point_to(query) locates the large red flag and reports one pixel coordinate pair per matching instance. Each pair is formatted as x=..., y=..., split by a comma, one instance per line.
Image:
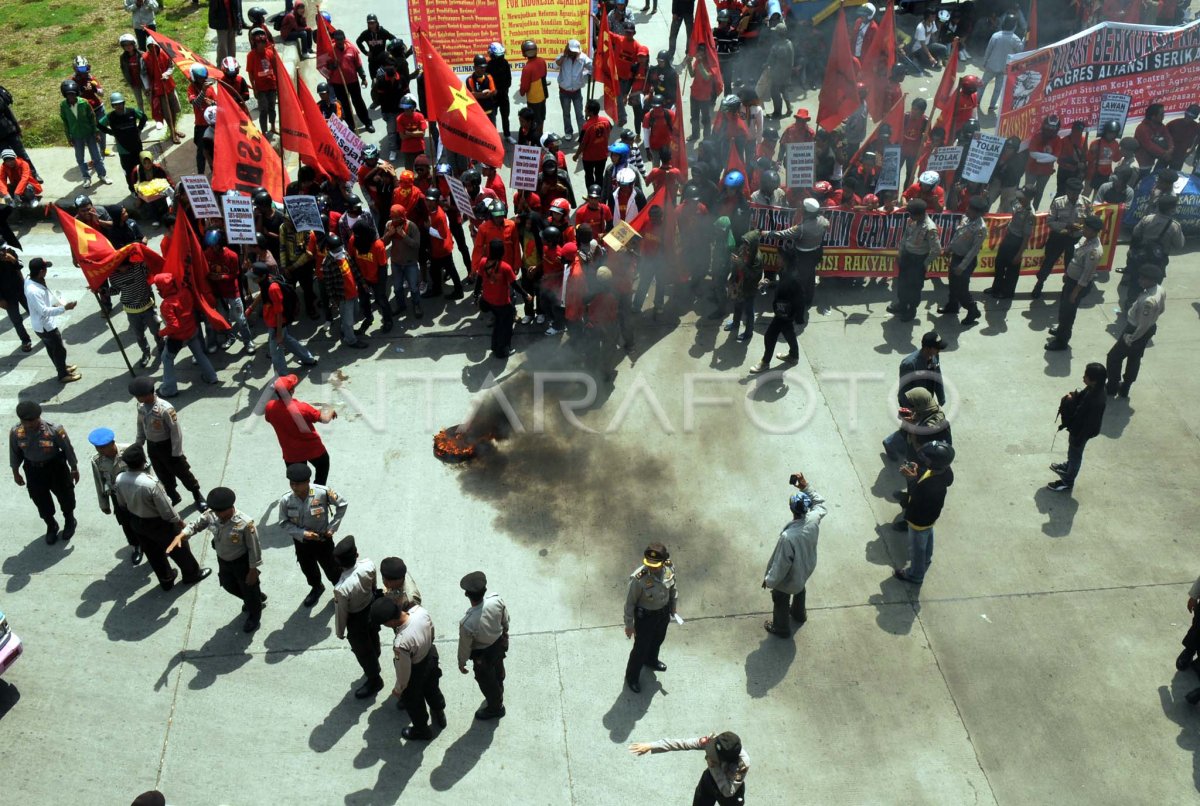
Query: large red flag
x=839, y=89
x=326, y=58
x=185, y=261
x=314, y=144
x=94, y=253
x=659, y=199
x=878, y=61
x=943, y=101
x=1031, y=37
x=736, y=163
x=244, y=160
x=184, y=58
x=462, y=124
x=894, y=119
x=605, y=69
x=702, y=34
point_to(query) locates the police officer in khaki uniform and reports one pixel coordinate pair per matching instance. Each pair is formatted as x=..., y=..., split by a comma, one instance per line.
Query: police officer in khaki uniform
x=51, y=470
x=310, y=514
x=239, y=554
x=398, y=584
x=106, y=464
x=483, y=640
x=352, y=597
x=415, y=659
x=158, y=430
x=649, y=607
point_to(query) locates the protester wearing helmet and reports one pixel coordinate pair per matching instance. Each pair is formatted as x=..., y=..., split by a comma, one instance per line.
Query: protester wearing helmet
x=1103, y=154
x=660, y=125
x=483, y=88
x=410, y=128
x=534, y=88
x=125, y=125
x=373, y=42
x=258, y=27
x=1043, y=152
x=501, y=72
x=81, y=128
x=928, y=189
x=928, y=480
x=239, y=87
x=202, y=94
x=344, y=65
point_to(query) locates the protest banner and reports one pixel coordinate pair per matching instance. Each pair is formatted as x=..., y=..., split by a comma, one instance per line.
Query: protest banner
x=460, y=29
x=349, y=142
x=526, y=166
x=982, y=156
x=865, y=244
x=1114, y=106
x=462, y=199
x=945, y=158
x=305, y=215
x=1070, y=77
x=1187, y=213
x=199, y=193
x=801, y=159
x=889, y=173
x=239, y=220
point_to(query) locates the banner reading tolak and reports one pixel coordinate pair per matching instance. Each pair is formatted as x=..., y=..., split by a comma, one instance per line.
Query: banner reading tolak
x=460, y=29
x=1070, y=78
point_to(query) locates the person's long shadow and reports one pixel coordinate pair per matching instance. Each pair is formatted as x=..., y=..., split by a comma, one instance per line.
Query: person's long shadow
x=137, y=619
x=115, y=587
x=1058, y=363
x=1183, y=714
x=303, y=630
x=768, y=665
x=35, y=558
x=223, y=653
x=10, y=695
x=628, y=708
x=401, y=759
x=897, y=336
x=462, y=756
x=888, y=480
x=896, y=606
x=729, y=353
x=995, y=317
x=889, y=547
x=338, y=722
x=1117, y=415
x=1060, y=509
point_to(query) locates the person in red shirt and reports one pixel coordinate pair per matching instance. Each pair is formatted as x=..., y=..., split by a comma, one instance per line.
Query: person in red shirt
x=295, y=423
x=164, y=103
x=1072, y=156
x=410, y=128
x=340, y=72
x=1154, y=141
x=594, y=213
x=550, y=142
x=275, y=317
x=1038, y=171
x=496, y=282
x=966, y=102
x=201, y=93
x=640, y=89
x=593, y=143
x=558, y=214
x=441, y=246
x=493, y=181
x=913, y=134
x=179, y=329
x=798, y=132
x=659, y=122
x=370, y=256
x=1184, y=133
x=574, y=286
x=497, y=228
x=260, y=64
x=666, y=175
x=551, y=284
x=626, y=50
x=533, y=84
x=1103, y=154
x=928, y=189
x=224, y=271
x=703, y=92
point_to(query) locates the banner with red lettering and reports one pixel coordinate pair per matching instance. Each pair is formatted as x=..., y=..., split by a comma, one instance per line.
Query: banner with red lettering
x=862, y=244
x=1069, y=78
x=460, y=29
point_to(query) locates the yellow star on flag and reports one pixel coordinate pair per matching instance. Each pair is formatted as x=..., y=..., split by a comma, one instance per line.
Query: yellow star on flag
x=187, y=54
x=83, y=237
x=251, y=131
x=461, y=103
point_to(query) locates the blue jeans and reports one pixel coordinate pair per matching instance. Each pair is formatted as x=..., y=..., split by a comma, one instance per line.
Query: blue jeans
x=896, y=443
x=235, y=314
x=407, y=274
x=279, y=357
x=346, y=309
x=174, y=347
x=93, y=148
x=1074, y=461
x=920, y=552
x=569, y=101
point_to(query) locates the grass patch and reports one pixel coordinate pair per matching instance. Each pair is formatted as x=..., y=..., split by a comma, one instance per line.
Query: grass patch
x=52, y=32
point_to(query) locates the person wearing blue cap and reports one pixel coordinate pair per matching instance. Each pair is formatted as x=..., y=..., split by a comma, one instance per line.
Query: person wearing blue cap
x=794, y=558
x=106, y=464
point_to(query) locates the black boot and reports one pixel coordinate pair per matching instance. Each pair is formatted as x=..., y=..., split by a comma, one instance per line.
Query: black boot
x=69, y=526
x=51, y=531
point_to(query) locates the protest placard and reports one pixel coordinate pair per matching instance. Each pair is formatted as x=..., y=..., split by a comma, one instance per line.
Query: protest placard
x=305, y=215
x=889, y=173
x=1114, y=106
x=462, y=199
x=526, y=165
x=349, y=142
x=801, y=159
x=239, y=220
x=199, y=193
x=945, y=158
x=982, y=157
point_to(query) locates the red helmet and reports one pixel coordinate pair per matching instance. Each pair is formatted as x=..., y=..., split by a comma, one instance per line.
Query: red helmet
x=971, y=83
x=871, y=200
x=822, y=188
x=560, y=205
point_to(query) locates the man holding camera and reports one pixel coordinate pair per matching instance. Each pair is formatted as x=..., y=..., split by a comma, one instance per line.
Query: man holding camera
x=928, y=480
x=794, y=558
x=1082, y=411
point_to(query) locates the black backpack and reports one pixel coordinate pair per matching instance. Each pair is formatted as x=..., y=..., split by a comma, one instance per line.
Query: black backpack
x=291, y=301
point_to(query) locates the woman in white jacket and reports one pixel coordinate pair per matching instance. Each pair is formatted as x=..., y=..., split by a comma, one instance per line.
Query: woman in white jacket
x=794, y=558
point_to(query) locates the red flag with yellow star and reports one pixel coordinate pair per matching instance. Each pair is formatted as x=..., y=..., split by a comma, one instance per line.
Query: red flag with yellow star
x=183, y=57
x=314, y=144
x=244, y=160
x=95, y=255
x=462, y=124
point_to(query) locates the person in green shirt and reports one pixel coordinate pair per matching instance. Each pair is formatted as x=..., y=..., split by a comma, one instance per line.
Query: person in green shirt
x=82, y=131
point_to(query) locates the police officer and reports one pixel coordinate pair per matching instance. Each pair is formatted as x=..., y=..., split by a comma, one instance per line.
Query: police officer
x=154, y=521
x=305, y=515
x=483, y=639
x=398, y=584
x=50, y=467
x=649, y=607
x=106, y=465
x=239, y=554
x=352, y=597
x=415, y=659
x=158, y=429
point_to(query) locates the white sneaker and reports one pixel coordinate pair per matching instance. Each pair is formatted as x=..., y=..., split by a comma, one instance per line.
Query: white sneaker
x=512, y=138
x=963, y=53
x=159, y=126
x=104, y=180
x=541, y=320
x=552, y=331
x=527, y=320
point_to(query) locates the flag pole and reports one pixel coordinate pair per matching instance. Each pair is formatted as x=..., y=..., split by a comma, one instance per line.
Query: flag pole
x=116, y=338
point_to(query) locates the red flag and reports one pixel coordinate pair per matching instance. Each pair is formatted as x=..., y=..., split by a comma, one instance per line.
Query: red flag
x=679, y=157
x=878, y=62
x=1031, y=37
x=736, y=163
x=462, y=124
x=244, y=160
x=315, y=145
x=326, y=58
x=95, y=255
x=184, y=58
x=895, y=119
x=605, y=69
x=659, y=199
x=185, y=262
x=839, y=89
x=943, y=101
x=702, y=34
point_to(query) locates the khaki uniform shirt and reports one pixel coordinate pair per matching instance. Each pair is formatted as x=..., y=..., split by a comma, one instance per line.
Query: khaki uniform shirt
x=104, y=476
x=649, y=592
x=1082, y=268
x=409, y=593
x=1021, y=224
x=481, y=626
x=233, y=539
x=40, y=444
x=967, y=240
x=320, y=511
x=144, y=496
x=159, y=422
x=1064, y=216
x=411, y=645
x=1144, y=312
x=809, y=233
x=354, y=591
x=922, y=238
x=729, y=778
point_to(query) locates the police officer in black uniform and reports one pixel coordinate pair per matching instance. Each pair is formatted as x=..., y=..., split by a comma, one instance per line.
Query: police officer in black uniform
x=51, y=470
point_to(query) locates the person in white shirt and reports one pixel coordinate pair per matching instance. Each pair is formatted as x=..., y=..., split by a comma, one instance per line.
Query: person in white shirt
x=1141, y=323
x=923, y=49
x=574, y=70
x=44, y=309
x=1003, y=44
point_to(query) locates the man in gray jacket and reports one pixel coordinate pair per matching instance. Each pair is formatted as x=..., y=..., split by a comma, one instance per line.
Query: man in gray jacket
x=794, y=558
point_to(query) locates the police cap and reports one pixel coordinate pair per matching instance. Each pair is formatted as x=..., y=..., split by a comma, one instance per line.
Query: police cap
x=474, y=583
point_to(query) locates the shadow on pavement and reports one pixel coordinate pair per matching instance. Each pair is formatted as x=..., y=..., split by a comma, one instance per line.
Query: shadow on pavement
x=303, y=630
x=223, y=653
x=338, y=722
x=896, y=606
x=462, y=756
x=10, y=695
x=768, y=665
x=627, y=709
x=35, y=558
x=1060, y=509
x=1182, y=713
x=401, y=759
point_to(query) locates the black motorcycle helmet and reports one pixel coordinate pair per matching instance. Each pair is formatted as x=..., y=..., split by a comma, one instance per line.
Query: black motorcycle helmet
x=936, y=455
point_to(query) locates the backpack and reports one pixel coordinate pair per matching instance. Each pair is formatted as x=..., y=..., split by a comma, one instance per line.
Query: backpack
x=1149, y=249
x=276, y=20
x=291, y=301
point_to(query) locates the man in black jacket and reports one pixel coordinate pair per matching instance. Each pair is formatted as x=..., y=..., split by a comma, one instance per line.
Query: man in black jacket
x=928, y=479
x=1082, y=411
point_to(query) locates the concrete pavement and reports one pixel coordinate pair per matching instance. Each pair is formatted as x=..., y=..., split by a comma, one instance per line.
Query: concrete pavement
x=1035, y=665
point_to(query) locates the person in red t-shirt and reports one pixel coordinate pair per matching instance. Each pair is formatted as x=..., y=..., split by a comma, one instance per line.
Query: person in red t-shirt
x=666, y=175
x=626, y=50
x=593, y=144
x=179, y=329
x=224, y=269
x=370, y=256
x=1184, y=133
x=594, y=212
x=295, y=422
x=493, y=181
x=410, y=128
x=270, y=297
x=201, y=93
x=498, y=227
x=260, y=64
x=496, y=282
x=441, y=248
x=659, y=123
x=1039, y=169
x=703, y=93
